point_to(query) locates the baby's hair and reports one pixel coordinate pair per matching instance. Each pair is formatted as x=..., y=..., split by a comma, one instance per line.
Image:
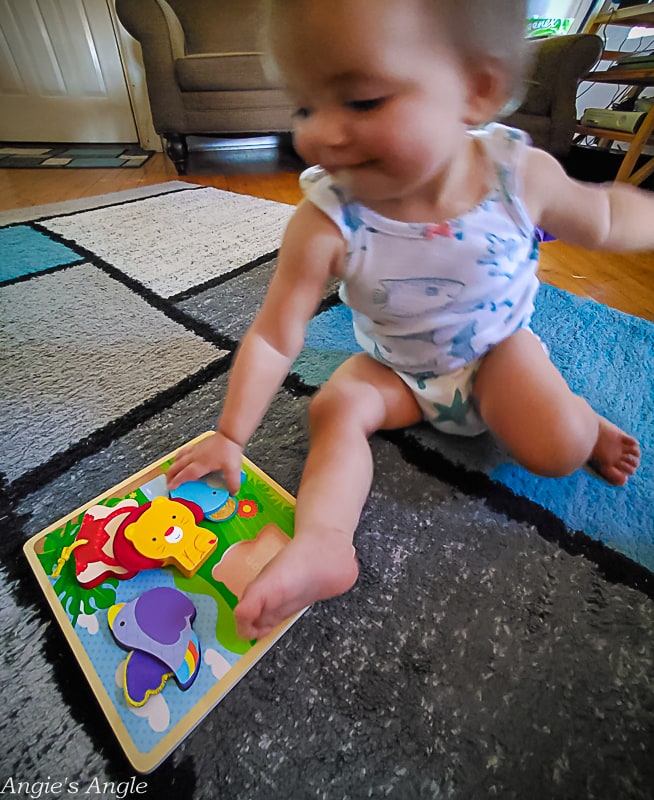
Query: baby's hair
x=477, y=29
x=488, y=29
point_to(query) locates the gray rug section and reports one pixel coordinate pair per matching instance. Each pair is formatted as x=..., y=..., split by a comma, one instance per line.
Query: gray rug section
x=86, y=203
x=32, y=697
x=472, y=659
x=230, y=307
x=78, y=351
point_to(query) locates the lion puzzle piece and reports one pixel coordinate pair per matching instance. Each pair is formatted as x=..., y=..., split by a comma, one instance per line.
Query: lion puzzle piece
x=156, y=629
x=121, y=541
x=165, y=532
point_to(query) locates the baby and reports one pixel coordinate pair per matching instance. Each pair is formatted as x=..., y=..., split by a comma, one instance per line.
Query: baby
x=426, y=213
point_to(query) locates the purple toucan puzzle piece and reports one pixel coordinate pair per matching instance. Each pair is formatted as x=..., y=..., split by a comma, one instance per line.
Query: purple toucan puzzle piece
x=144, y=676
x=156, y=625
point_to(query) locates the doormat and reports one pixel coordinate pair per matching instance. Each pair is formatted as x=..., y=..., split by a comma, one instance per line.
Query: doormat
x=86, y=156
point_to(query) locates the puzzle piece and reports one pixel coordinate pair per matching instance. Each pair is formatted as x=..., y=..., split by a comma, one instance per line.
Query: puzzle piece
x=243, y=561
x=93, y=548
x=211, y=494
x=165, y=532
x=156, y=628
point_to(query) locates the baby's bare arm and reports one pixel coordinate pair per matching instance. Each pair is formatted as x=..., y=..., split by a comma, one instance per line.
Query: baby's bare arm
x=613, y=217
x=310, y=253
x=312, y=250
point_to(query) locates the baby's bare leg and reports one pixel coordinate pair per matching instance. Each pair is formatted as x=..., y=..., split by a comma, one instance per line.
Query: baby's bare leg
x=361, y=397
x=547, y=428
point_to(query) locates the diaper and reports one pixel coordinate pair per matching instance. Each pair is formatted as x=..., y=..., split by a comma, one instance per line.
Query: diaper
x=446, y=401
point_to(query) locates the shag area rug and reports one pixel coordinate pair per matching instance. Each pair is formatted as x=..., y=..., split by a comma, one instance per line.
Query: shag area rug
x=498, y=642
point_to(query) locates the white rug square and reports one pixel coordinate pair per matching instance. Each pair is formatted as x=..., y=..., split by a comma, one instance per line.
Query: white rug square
x=174, y=242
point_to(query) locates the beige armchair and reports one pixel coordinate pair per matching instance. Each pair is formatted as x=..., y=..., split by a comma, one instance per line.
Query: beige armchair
x=548, y=112
x=203, y=70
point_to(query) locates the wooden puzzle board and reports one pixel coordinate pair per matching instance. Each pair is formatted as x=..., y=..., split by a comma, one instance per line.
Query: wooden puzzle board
x=148, y=734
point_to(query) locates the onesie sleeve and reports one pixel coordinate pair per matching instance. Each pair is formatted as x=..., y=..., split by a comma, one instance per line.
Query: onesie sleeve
x=319, y=189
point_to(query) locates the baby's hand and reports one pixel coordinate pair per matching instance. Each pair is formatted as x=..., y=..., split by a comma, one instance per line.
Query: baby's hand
x=215, y=452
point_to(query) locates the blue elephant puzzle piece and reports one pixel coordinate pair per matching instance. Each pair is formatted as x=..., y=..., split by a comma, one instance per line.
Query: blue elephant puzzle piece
x=210, y=492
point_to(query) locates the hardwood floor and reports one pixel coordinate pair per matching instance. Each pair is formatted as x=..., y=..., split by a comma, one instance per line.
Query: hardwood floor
x=624, y=281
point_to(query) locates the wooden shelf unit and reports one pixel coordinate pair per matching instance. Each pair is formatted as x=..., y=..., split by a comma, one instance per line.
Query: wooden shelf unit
x=642, y=76
x=638, y=78
x=642, y=15
x=607, y=133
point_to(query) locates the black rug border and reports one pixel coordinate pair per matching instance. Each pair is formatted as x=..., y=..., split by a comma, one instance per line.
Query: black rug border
x=56, y=465
x=615, y=567
x=49, y=271
x=212, y=283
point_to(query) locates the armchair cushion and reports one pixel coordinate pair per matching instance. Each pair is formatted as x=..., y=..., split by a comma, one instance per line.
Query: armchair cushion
x=548, y=111
x=220, y=72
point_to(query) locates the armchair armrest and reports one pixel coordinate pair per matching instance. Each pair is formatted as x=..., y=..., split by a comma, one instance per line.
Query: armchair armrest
x=155, y=26
x=558, y=66
x=564, y=67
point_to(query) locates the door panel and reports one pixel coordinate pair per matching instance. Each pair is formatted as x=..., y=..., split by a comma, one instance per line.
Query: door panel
x=61, y=77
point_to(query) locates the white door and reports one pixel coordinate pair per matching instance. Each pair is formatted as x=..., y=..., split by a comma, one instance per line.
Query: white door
x=61, y=76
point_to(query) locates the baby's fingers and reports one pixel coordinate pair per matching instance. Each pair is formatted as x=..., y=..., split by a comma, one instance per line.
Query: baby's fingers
x=232, y=476
x=184, y=465
x=182, y=472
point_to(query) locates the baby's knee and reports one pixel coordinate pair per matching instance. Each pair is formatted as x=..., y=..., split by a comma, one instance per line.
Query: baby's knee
x=330, y=401
x=565, y=448
x=340, y=402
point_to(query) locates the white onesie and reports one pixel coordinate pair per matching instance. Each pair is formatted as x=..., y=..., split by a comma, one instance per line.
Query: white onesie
x=429, y=300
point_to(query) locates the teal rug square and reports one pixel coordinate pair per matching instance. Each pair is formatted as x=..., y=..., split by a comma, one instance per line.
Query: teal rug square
x=604, y=355
x=89, y=152
x=24, y=251
x=96, y=162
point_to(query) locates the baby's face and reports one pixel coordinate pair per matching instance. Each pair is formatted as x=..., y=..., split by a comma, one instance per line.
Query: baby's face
x=381, y=102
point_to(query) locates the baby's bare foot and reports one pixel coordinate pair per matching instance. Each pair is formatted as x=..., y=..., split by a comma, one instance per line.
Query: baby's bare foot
x=616, y=455
x=307, y=569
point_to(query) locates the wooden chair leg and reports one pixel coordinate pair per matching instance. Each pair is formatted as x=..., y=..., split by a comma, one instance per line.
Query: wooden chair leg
x=639, y=141
x=177, y=151
x=644, y=172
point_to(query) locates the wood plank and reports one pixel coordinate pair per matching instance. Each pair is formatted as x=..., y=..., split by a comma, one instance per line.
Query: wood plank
x=635, y=76
x=639, y=141
x=642, y=14
x=620, y=280
x=607, y=133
